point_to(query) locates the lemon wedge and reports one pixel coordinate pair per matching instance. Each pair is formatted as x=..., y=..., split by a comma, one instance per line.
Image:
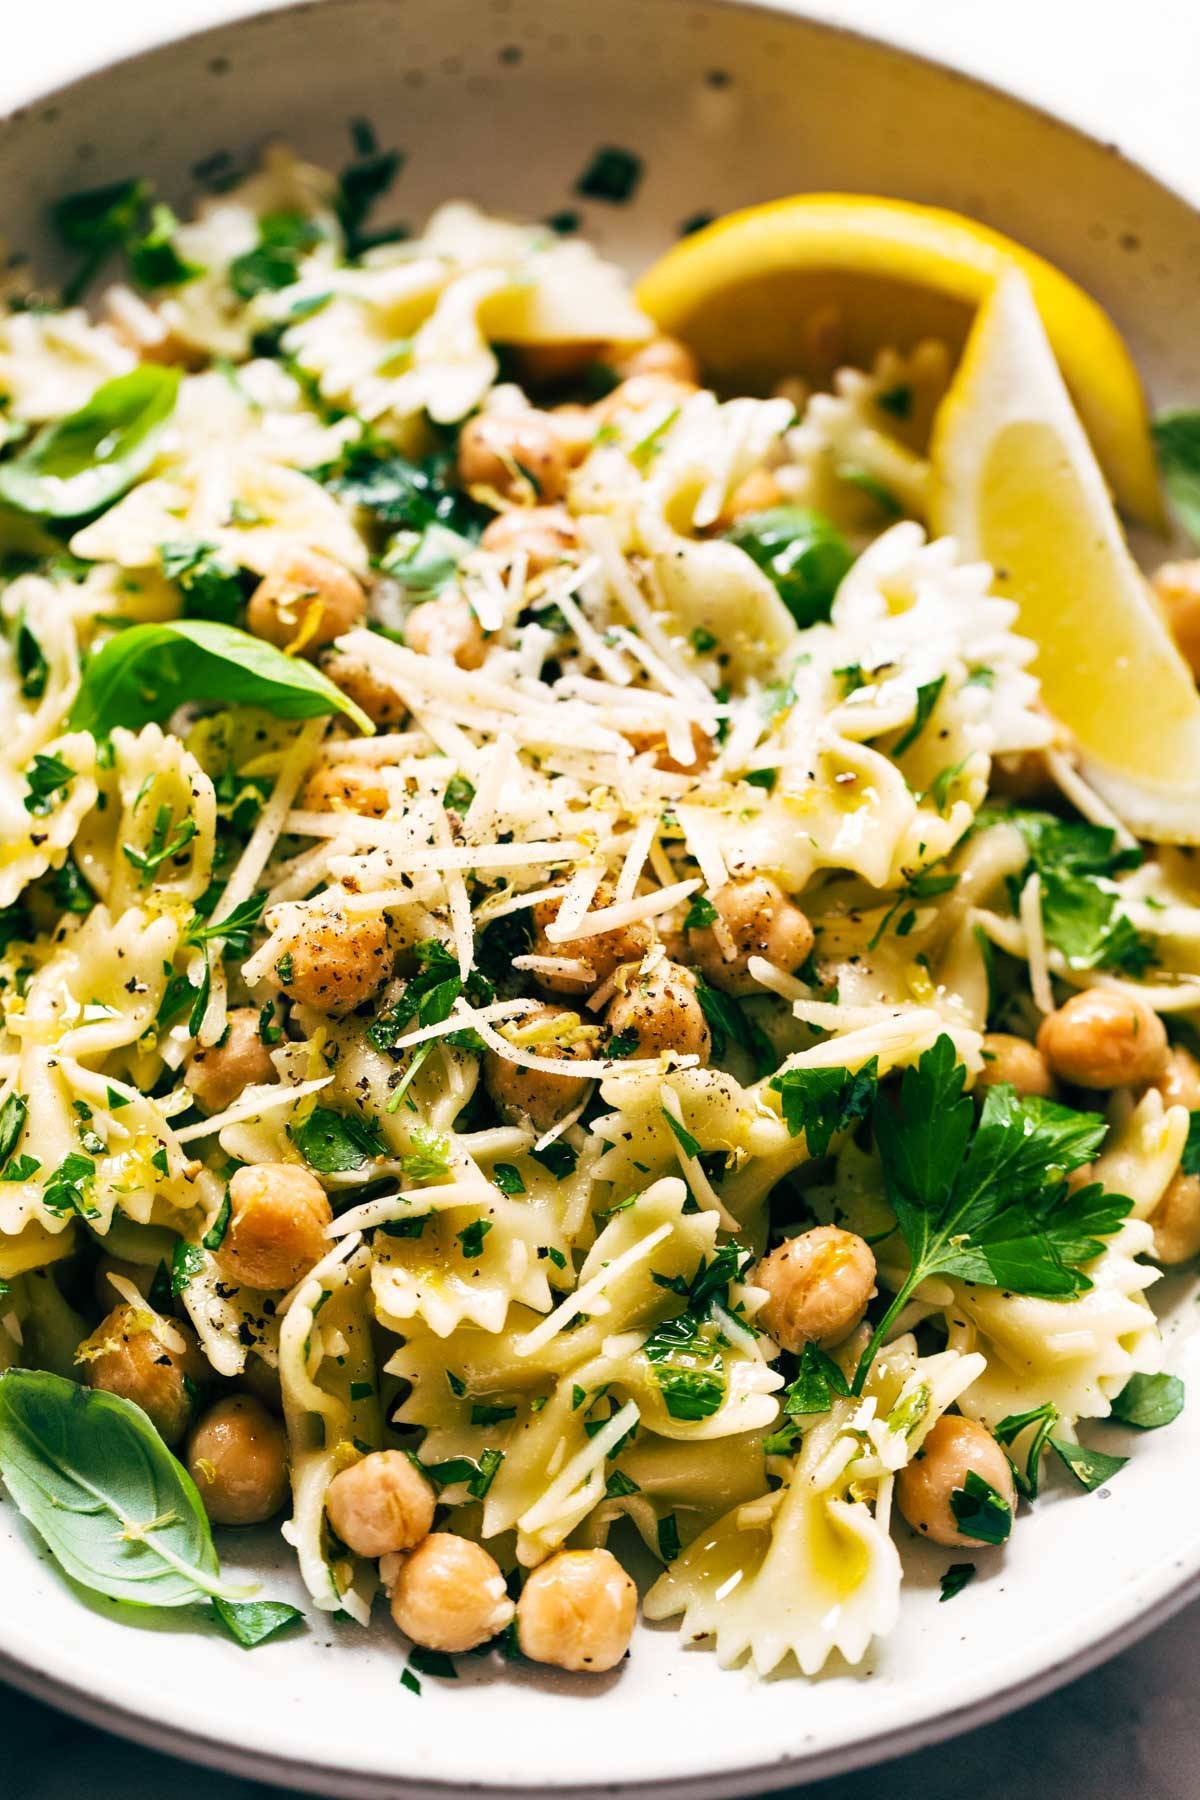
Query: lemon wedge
x=799, y=286
x=1017, y=483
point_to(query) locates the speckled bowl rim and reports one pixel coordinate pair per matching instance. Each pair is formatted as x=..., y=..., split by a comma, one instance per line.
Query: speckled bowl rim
x=1176, y=1586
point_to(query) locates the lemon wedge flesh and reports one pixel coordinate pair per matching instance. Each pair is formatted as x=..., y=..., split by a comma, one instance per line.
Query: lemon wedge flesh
x=1016, y=482
x=800, y=286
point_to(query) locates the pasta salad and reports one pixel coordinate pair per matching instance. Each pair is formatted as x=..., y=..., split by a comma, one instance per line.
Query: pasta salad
x=566, y=1002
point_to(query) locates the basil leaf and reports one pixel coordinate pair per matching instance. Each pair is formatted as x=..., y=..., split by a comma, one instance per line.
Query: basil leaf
x=251, y=1622
x=1177, y=440
x=82, y=463
x=141, y=675
x=802, y=552
x=1149, y=1401
x=119, y=1514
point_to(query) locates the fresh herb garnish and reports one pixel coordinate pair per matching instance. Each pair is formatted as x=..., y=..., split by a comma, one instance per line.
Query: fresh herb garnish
x=927, y=699
x=142, y=674
x=955, y=1579
x=802, y=552
x=210, y=587
x=1147, y=1401
x=82, y=463
x=335, y=1143
x=988, y=1203
x=822, y=1102
x=48, y=777
x=979, y=1511
x=284, y=238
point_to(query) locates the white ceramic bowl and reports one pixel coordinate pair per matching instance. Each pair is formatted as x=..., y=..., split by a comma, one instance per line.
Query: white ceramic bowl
x=504, y=101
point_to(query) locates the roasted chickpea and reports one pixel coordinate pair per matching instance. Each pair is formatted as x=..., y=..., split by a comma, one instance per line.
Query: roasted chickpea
x=359, y=682
x=335, y=960
x=304, y=601
x=1012, y=1060
x=756, y=492
x=953, y=1449
x=640, y=392
x=1100, y=1039
x=545, y=534
x=519, y=1093
x=519, y=456
x=660, y=356
x=277, y=1222
x=136, y=1354
x=662, y=1009
x=703, y=750
x=217, y=1076
x=346, y=787
x=602, y=952
x=446, y=628
x=1176, y=1220
x=819, y=1284
x=758, y=920
x=556, y=365
x=575, y=428
x=450, y=1595
x=238, y=1458
x=381, y=1504
x=141, y=1274
x=577, y=1610
x=1179, y=1083
x=1177, y=589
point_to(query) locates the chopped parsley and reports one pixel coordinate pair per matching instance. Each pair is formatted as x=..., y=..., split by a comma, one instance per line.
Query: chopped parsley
x=979, y=1511
x=823, y=1102
x=955, y=1579
x=1146, y=1401
x=49, y=778
x=507, y=1178
x=335, y=1143
x=927, y=699
x=987, y=1202
x=471, y=1237
x=612, y=175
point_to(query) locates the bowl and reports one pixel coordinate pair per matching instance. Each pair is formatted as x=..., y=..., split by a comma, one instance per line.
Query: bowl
x=505, y=102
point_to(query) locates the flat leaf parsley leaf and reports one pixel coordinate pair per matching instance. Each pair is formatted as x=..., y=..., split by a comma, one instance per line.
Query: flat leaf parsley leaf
x=987, y=1203
x=822, y=1102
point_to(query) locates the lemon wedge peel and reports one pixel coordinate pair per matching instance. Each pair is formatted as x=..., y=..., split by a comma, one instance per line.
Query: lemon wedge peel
x=942, y=264
x=1017, y=484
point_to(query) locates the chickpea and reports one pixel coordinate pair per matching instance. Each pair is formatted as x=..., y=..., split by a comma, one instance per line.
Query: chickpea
x=1011, y=1060
x=756, y=492
x=519, y=1093
x=447, y=629
x=603, y=952
x=819, y=1284
x=660, y=356
x=953, y=1448
x=556, y=365
x=1176, y=1221
x=304, y=601
x=760, y=921
x=545, y=533
x=359, y=682
x=1177, y=589
x=381, y=1504
x=217, y=1076
x=450, y=1595
x=519, y=456
x=577, y=1611
x=703, y=750
x=132, y=1353
x=575, y=428
x=1179, y=1083
x=1099, y=1039
x=346, y=787
x=238, y=1458
x=640, y=392
x=662, y=1009
x=335, y=960
x=141, y=1274
x=277, y=1222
